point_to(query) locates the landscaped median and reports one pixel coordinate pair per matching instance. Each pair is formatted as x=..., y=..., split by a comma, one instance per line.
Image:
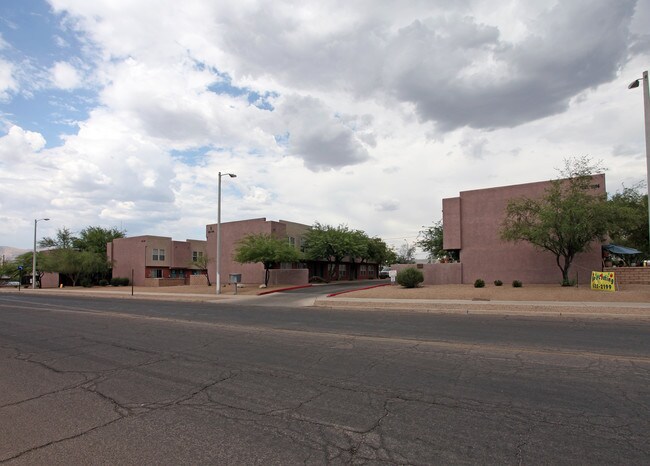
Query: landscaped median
x=530, y=299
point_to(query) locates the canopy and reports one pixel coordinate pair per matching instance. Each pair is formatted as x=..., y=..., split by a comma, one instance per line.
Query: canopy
x=616, y=249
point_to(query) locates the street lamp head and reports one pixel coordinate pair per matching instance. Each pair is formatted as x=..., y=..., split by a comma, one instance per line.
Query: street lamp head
x=46, y=219
x=634, y=84
x=232, y=175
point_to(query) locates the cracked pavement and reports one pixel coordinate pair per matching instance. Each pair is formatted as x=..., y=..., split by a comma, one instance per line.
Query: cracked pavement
x=86, y=381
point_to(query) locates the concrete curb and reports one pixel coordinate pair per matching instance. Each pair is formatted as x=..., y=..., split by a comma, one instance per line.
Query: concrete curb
x=297, y=287
x=524, y=308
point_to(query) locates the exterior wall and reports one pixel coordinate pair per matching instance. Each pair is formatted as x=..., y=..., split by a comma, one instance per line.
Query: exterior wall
x=136, y=254
x=289, y=277
x=231, y=233
x=199, y=280
x=451, y=225
x=161, y=282
x=437, y=274
x=630, y=275
x=483, y=253
x=50, y=280
x=297, y=232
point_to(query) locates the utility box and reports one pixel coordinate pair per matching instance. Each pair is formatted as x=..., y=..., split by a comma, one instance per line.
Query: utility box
x=234, y=278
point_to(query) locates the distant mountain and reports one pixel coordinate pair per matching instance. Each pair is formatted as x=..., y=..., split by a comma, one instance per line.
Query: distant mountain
x=10, y=253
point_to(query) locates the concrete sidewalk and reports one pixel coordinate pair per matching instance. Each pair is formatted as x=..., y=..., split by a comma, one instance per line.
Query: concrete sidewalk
x=459, y=306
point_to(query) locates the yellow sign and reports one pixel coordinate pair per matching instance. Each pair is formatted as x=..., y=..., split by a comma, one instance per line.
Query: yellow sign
x=603, y=281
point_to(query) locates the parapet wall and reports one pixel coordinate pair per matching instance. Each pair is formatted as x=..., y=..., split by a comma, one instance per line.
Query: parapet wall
x=631, y=275
x=437, y=274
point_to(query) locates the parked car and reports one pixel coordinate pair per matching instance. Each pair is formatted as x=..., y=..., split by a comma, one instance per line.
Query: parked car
x=383, y=273
x=10, y=284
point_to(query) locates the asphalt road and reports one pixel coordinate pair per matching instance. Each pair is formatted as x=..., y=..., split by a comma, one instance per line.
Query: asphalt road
x=88, y=381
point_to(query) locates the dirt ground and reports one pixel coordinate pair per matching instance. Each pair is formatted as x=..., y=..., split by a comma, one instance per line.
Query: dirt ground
x=629, y=293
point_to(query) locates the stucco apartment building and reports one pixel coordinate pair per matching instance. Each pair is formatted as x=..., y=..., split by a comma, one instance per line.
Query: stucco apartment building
x=472, y=223
x=289, y=273
x=152, y=258
x=161, y=261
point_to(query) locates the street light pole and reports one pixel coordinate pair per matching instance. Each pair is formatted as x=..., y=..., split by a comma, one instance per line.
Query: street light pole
x=34, y=252
x=231, y=175
x=646, y=111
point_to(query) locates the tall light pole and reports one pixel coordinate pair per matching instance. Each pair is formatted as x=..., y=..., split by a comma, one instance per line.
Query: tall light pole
x=231, y=175
x=36, y=220
x=646, y=111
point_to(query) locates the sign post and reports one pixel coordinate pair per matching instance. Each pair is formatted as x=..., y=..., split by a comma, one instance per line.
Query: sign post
x=20, y=274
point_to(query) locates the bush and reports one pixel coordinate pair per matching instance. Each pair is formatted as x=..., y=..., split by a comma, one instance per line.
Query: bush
x=498, y=283
x=117, y=281
x=85, y=282
x=103, y=282
x=316, y=279
x=479, y=283
x=410, y=277
x=517, y=284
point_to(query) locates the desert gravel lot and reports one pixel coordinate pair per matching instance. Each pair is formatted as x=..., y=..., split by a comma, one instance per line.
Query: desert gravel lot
x=630, y=293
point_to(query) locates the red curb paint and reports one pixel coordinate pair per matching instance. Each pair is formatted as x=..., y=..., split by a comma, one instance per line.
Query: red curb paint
x=357, y=289
x=283, y=289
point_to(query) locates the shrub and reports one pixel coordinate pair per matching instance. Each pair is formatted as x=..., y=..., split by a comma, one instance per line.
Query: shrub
x=498, y=283
x=479, y=283
x=316, y=279
x=568, y=283
x=410, y=277
x=103, y=282
x=517, y=284
x=85, y=282
x=118, y=281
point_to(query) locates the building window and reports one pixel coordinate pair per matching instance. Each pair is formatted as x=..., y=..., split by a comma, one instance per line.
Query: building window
x=155, y=273
x=302, y=244
x=197, y=255
x=162, y=255
x=292, y=241
x=286, y=265
x=154, y=256
x=342, y=269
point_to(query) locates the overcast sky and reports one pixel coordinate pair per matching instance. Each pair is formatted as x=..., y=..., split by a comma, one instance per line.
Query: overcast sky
x=120, y=113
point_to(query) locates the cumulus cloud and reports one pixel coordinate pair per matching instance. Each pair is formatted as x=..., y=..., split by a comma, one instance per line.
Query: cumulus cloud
x=317, y=136
x=18, y=145
x=65, y=76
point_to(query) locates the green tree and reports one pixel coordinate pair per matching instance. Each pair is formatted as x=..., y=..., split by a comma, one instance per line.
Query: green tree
x=202, y=262
x=73, y=263
x=333, y=244
x=379, y=252
x=63, y=240
x=630, y=208
x=565, y=220
x=266, y=249
x=94, y=239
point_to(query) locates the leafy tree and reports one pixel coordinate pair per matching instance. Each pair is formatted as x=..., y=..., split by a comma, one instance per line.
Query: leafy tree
x=333, y=244
x=94, y=239
x=379, y=252
x=565, y=220
x=73, y=263
x=76, y=257
x=406, y=253
x=266, y=249
x=431, y=240
x=63, y=240
x=202, y=262
x=631, y=211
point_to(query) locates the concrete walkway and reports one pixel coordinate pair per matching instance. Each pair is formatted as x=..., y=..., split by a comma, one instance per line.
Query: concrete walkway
x=456, y=306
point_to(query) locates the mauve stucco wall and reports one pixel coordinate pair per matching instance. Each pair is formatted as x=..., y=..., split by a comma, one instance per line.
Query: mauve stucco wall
x=231, y=233
x=436, y=274
x=451, y=217
x=129, y=254
x=483, y=253
x=289, y=277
